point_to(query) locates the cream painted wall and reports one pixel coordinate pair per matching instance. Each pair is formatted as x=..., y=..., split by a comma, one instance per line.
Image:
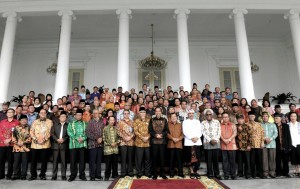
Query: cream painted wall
x=99, y=59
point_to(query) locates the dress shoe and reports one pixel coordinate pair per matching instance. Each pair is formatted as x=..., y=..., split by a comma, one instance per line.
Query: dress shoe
x=99, y=178
x=15, y=178
x=53, y=178
x=122, y=176
x=23, y=178
x=43, y=178
x=197, y=176
x=92, y=179
x=32, y=178
x=71, y=179
x=233, y=177
x=130, y=175
x=138, y=176
x=288, y=176
x=154, y=178
x=171, y=176
x=226, y=177
x=218, y=177
x=164, y=177
x=8, y=177
x=263, y=177
x=181, y=175
x=210, y=176
x=115, y=176
x=106, y=179
x=64, y=178
x=272, y=176
x=83, y=178
x=247, y=177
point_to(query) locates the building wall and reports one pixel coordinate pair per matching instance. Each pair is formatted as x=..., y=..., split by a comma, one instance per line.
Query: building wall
x=277, y=71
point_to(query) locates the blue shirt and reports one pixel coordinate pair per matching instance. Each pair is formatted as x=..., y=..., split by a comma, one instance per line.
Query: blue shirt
x=31, y=118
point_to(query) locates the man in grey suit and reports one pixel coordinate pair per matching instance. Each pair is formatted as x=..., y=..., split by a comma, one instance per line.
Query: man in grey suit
x=59, y=145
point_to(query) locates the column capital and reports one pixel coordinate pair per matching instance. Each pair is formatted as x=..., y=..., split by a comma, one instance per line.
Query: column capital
x=238, y=12
x=124, y=12
x=12, y=15
x=64, y=13
x=291, y=13
x=182, y=11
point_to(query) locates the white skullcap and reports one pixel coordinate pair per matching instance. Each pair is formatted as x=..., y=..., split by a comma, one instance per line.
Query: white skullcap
x=210, y=110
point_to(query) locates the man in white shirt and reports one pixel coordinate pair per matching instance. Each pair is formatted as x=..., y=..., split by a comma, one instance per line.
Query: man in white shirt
x=192, y=130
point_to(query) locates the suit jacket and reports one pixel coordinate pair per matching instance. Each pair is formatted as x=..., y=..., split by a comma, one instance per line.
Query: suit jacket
x=286, y=138
x=55, y=133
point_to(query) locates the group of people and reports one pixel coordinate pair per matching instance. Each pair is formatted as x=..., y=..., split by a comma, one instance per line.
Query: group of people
x=150, y=131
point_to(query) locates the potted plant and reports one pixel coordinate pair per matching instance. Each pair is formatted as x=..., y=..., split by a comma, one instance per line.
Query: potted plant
x=283, y=98
x=17, y=99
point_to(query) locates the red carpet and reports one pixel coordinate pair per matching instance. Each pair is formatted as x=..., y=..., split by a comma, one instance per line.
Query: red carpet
x=167, y=184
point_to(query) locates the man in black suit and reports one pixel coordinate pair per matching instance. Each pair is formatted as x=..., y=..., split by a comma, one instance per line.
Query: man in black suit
x=283, y=146
x=59, y=145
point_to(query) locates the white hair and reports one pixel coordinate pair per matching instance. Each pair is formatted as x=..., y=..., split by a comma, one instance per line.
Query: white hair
x=210, y=110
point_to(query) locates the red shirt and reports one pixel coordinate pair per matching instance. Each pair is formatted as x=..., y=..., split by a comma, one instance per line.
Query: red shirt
x=6, y=130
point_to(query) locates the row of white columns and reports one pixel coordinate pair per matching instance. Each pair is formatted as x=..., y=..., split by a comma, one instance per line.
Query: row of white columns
x=61, y=83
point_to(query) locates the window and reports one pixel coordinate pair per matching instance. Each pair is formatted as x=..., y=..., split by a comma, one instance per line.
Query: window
x=152, y=78
x=75, y=79
x=229, y=77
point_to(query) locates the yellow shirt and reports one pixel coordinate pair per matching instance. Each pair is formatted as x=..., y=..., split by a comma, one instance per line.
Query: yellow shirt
x=41, y=130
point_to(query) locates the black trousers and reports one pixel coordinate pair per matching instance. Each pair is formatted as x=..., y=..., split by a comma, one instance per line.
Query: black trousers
x=20, y=164
x=229, y=167
x=6, y=154
x=95, y=160
x=43, y=154
x=282, y=162
x=111, y=163
x=59, y=154
x=126, y=160
x=77, y=155
x=243, y=158
x=256, y=162
x=212, y=160
x=176, y=154
x=142, y=161
x=195, y=165
x=158, y=155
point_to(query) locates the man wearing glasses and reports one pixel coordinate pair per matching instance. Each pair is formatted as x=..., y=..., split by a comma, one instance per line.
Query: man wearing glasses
x=211, y=143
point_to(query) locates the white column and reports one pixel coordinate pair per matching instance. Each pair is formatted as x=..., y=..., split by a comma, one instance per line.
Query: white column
x=294, y=20
x=7, y=52
x=62, y=75
x=123, y=49
x=245, y=73
x=183, y=49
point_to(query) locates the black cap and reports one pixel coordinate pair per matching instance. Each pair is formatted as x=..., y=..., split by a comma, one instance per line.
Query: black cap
x=251, y=113
x=277, y=115
x=79, y=111
x=68, y=103
x=142, y=109
x=23, y=117
x=82, y=100
x=63, y=112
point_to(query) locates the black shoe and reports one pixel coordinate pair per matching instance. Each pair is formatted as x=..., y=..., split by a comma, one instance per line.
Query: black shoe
x=218, y=177
x=138, y=176
x=71, y=179
x=53, y=178
x=192, y=175
x=164, y=177
x=32, y=178
x=106, y=179
x=226, y=178
x=130, y=175
x=181, y=175
x=197, y=176
x=15, y=178
x=83, y=178
x=247, y=177
x=99, y=178
x=122, y=176
x=210, y=176
x=92, y=179
x=240, y=175
x=154, y=177
x=233, y=177
x=43, y=177
x=8, y=177
x=288, y=176
x=171, y=176
x=64, y=178
x=272, y=176
x=263, y=177
x=23, y=178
